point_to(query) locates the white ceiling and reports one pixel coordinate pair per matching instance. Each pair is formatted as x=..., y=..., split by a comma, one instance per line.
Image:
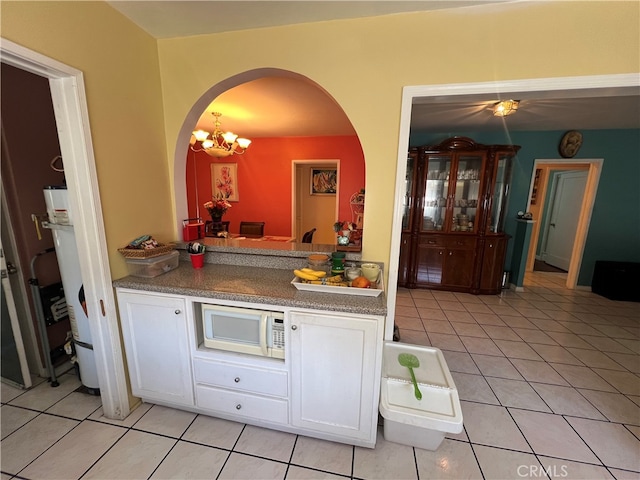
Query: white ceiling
x=167, y=19
x=289, y=107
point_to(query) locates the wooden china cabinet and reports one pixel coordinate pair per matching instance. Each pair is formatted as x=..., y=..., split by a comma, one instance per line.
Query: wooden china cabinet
x=454, y=210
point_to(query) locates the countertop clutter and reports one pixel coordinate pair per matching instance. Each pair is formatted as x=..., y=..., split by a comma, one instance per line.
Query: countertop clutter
x=248, y=283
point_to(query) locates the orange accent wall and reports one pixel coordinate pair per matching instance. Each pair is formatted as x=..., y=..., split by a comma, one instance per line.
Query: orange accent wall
x=264, y=178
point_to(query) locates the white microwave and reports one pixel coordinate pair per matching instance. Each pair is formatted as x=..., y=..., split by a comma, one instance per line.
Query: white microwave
x=243, y=330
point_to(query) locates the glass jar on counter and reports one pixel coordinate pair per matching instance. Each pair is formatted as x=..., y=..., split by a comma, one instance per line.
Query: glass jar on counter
x=337, y=263
x=319, y=262
x=352, y=272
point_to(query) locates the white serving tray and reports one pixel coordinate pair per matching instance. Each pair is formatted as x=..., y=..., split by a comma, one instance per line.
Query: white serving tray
x=364, y=292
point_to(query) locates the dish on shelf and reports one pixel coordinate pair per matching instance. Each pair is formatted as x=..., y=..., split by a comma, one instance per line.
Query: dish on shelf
x=311, y=287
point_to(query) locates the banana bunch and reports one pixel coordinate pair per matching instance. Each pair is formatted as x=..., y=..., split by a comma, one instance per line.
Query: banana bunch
x=318, y=277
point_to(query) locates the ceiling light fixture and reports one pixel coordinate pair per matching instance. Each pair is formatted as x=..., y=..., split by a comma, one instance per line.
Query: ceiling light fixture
x=219, y=143
x=505, y=107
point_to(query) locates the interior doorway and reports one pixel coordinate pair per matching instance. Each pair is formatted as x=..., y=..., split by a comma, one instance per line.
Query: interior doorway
x=72, y=120
x=541, y=182
x=612, y=85
x=561, y=220
x=314, y=210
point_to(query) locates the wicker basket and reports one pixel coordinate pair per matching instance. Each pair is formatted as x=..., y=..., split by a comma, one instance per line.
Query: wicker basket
x=147, y=252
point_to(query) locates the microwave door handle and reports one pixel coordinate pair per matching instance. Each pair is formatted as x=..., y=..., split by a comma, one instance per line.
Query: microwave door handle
x=263, y=334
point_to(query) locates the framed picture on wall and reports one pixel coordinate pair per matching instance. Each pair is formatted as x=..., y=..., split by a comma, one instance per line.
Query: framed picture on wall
x=324, y=181
x=224, y=181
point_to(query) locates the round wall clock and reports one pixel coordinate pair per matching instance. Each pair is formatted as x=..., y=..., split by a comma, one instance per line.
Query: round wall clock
x=570, y=143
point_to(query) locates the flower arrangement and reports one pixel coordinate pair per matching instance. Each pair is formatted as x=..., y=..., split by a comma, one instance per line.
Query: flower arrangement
x=344, y=229
x=341, y=226
x=218, y=207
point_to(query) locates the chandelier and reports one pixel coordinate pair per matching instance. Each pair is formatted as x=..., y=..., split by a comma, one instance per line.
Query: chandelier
x=218, y=143
x=506, y=107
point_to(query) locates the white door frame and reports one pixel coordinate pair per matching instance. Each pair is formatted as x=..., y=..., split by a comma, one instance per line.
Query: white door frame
x=595, y=83
x=72, y=121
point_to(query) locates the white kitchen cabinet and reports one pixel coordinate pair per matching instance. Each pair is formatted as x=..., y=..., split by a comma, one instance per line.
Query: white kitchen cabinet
x=335, y=374
x=156, y=342
x=327, y=386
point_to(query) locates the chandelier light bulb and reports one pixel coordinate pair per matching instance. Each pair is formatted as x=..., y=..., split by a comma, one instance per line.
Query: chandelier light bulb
x=219, y=144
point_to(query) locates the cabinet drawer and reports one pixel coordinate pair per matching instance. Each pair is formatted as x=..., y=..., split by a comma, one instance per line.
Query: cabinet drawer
x=460, y=242
x=242, y=404
x=448, y=241
x=432, y=240
x=240, y=377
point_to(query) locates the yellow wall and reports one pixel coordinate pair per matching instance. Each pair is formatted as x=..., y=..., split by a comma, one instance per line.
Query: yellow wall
x=362, y=63
x=122, y=81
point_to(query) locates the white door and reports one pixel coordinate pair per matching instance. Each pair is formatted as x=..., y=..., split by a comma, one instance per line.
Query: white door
x=334, y=375
x=14, y=359
x=566, y=202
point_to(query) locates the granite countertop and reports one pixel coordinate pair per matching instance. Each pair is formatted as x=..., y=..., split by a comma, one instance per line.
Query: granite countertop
x=252, y=284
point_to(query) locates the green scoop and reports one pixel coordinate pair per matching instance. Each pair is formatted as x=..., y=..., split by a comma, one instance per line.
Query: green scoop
x=411, y=361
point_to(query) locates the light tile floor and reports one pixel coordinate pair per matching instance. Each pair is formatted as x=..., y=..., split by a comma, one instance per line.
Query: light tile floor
x=548, y=381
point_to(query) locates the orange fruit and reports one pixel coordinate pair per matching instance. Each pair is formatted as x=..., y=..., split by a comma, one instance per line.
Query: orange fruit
x=360, y=282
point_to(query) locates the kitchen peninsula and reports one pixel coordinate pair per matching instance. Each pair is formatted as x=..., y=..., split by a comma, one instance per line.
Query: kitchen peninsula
x=326, y=386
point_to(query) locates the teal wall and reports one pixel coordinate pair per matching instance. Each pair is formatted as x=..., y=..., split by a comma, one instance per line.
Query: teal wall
x=614, y=231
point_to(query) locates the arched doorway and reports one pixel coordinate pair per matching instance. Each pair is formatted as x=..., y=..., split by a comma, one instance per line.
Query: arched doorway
x=287, y=117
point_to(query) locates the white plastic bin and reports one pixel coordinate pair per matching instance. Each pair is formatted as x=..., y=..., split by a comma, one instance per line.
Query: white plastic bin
x=154, y=266
x=407, y=420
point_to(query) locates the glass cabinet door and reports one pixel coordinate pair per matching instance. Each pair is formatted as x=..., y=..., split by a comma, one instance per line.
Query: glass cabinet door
x=436, y=191
x=467, y=193
x=500, y=192
x=409, y=193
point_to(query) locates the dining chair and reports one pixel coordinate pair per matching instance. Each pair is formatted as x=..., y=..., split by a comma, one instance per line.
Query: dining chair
x=252, y=229
x=308, y=236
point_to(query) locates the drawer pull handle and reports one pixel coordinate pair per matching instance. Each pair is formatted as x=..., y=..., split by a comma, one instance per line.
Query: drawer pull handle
x=432, y=242
x=177, y=312
x=450, y=253
x=294, y=327
x=238, y=407
x=237, y=379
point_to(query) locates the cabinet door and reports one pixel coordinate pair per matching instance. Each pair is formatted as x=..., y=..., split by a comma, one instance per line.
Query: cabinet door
x=335, y=374
x=410, y=190
x=436, y=192
x=405, y=259
x=493, y=264
x=154, y=329
x=500, y=190
x=466, y=195
x=429, y=263
x=459, y=263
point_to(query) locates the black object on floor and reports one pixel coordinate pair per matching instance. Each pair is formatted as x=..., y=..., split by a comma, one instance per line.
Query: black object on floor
x=617, y=280
x=540, y=266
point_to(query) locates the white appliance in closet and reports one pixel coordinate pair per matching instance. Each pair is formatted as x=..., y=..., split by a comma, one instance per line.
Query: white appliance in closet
x=61, y=225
